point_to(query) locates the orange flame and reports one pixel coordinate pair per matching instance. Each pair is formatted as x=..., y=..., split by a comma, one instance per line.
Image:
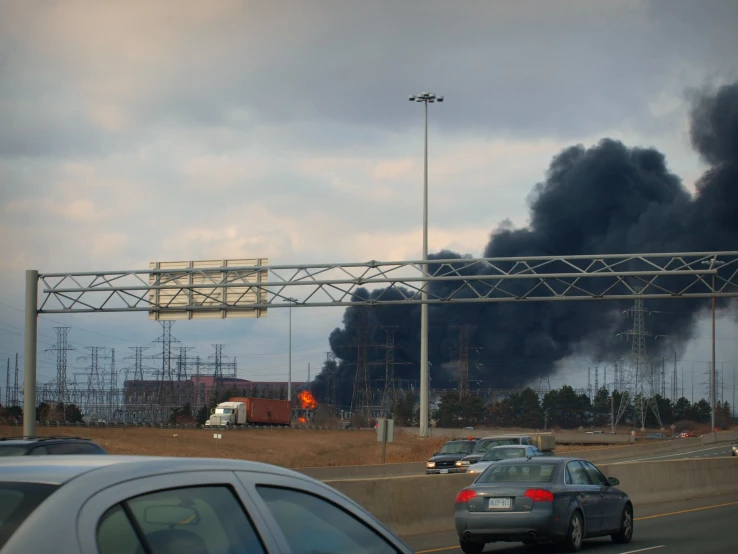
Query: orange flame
x=301, y=419
x=307, y=400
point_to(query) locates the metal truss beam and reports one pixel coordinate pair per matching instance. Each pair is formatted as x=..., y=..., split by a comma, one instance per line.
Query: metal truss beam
x=373, y=283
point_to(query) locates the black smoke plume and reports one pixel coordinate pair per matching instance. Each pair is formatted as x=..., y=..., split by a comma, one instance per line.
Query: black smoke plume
x=608, y=199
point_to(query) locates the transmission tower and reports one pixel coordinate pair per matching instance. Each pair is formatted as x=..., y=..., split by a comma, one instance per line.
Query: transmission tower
x=60, y=349
x=361, y=399
x=138, y=368
x=94, y=397
x=330, y=363
x=589, y=382
x=112, y=400
x=604, y=379
x=597, y=381
x=674, y=383
x=638, y=387
x=544, y=387
x=16, y=390
x=217, y=364
x=7, y=387
x=182, y=372
x=166, y=379
x=462, y=350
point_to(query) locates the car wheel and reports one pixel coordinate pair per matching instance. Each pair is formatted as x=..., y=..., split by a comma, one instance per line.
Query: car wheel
x=625, y=534
x=575, y=535
x=471, y=547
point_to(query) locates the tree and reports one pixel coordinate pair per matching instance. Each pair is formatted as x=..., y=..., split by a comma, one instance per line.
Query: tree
x=682, y=408
x=403, y=411
x=566, y=408
x=723, y=416
x=601, y=408
x=456, y=412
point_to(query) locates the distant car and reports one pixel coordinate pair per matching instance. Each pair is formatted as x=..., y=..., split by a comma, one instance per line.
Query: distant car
x=48, y=446
x=485, y=443
x=544, y=499
x=734, y=449
x=444, y=461
x=499, y=453
x=132, y=505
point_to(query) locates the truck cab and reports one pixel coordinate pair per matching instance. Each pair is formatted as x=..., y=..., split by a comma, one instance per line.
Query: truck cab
x=227, y=414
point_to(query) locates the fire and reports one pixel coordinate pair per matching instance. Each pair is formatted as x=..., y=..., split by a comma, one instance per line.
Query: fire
x=307, y=400
x=301, y=419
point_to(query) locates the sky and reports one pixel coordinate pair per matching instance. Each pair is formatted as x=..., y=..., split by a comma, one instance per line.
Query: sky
x=159, y=130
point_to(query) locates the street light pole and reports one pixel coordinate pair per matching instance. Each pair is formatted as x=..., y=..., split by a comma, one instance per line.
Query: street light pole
x=426, y=98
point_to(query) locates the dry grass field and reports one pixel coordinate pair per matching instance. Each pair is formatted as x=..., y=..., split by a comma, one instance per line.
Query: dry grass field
x=284, y=447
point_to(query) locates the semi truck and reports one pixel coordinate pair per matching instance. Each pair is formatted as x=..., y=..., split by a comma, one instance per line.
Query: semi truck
x=251, y=411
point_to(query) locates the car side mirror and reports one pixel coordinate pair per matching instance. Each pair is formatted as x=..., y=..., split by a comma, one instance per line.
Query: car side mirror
x=614, y=481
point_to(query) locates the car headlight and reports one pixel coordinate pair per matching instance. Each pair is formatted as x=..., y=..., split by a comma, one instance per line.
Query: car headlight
x=462, y=463
x=430, y=464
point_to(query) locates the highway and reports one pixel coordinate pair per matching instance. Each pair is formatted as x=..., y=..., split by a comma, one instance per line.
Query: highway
x=705, y=525
x=706, y=452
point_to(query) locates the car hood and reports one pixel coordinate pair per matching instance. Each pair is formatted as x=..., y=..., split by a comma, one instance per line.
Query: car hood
x=446, y=458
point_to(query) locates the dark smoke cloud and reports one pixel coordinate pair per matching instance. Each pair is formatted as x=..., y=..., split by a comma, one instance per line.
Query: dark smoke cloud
x=608, y=199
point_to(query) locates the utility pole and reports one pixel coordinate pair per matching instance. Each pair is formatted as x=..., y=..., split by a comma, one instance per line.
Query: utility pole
x=426, y=98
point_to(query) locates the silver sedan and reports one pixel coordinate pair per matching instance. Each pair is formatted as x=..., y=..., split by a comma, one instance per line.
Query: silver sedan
x=543, y=499
x=499, y=453
x=153, y=505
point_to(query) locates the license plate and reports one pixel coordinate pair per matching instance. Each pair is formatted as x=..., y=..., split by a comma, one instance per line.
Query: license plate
x=500, y=503
x=444, y=471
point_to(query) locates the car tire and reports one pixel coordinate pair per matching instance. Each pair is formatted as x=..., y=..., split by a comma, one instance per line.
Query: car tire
x=625, y=534
x=471, y=547
x=575, y=533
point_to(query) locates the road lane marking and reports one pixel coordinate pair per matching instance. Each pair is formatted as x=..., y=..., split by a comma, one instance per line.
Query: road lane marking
x=665, y=456
x=644, y=549
x=691, y=510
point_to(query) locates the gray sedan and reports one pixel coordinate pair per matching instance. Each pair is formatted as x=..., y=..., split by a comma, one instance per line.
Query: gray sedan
x=153, y=505
x=499, y=453
x=543, y=499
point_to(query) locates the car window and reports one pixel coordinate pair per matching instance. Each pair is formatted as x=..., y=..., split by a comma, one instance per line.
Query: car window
x=313, y=525
x=17, y=502
x=193, y=519
x=60, y=448
x=522, y=472
x=595, y=475
x=460, y=447
x=575, y=474
x=483, y=446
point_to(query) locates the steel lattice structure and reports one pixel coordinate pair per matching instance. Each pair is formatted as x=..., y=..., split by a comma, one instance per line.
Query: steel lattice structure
x=465, y=280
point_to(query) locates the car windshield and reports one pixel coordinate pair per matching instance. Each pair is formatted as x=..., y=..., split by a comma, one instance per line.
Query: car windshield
x=483, y=446
x=17, y=501
x=495, y=454
x=12, y=450
x=522, y=472
x=223, y=411
x=461, y=447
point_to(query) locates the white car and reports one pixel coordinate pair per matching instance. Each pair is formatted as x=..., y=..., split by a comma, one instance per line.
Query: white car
x=503, y=453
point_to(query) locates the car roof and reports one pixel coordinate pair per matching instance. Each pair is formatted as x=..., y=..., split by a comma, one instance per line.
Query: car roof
x=497, y=437
x=61, y=469
x=33, y=440
x=512, y=446
x=539, y=460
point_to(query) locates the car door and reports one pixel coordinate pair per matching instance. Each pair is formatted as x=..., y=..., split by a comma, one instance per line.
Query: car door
x=311, y=518
x=612, y=499
x=178, y=512
x=588, y=494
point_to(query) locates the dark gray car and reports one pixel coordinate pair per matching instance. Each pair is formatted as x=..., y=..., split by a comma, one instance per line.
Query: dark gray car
x=137, y=505
x=542, y=499
x=48, y=446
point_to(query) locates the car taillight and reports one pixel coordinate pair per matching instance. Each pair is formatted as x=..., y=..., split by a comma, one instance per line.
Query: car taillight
x=465, y=496
x=539, y=495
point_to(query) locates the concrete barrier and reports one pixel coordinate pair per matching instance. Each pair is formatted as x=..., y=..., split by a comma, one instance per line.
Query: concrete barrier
x=364, y=471
x=420, y=504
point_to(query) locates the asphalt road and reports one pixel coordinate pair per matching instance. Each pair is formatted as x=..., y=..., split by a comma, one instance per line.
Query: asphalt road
x=705, y=452
x=705, y=526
